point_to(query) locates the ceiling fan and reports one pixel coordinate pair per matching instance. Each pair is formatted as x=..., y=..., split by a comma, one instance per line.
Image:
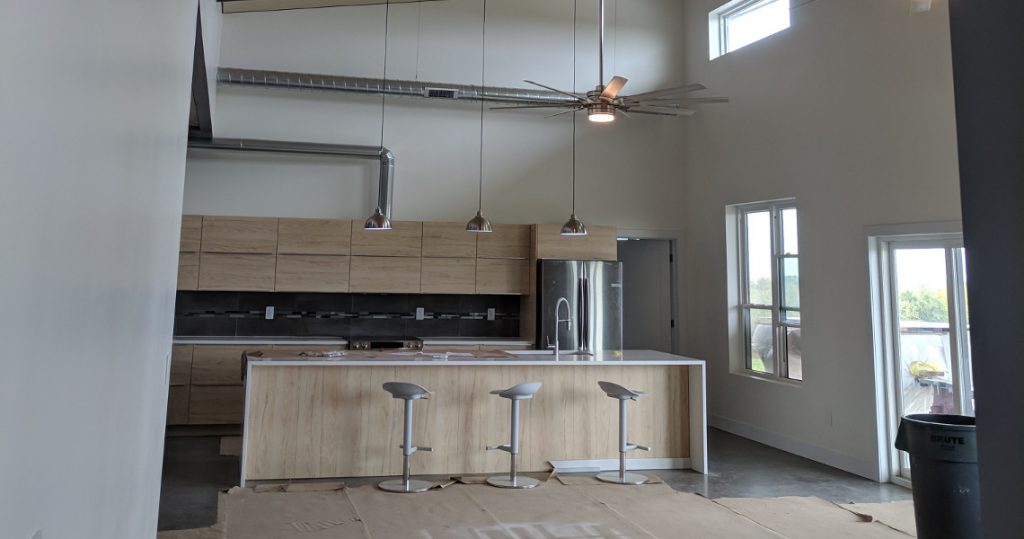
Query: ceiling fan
x=605, y=101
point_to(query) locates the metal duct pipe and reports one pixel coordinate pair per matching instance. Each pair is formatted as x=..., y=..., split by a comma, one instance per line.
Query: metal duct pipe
x=361, y=85
x=385, y=188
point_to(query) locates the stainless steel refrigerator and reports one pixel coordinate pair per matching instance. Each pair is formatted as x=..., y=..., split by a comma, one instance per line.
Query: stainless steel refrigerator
x=593, y=290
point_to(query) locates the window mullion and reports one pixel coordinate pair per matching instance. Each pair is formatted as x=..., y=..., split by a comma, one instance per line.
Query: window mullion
x=776, y=245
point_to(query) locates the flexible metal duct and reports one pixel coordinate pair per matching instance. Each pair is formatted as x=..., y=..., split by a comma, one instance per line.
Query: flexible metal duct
x=378, y=153
x=361, y=85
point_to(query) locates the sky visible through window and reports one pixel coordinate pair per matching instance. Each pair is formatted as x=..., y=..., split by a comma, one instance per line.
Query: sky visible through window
x=755, y=24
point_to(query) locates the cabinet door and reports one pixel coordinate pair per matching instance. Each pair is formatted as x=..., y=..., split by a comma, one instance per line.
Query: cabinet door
x=253, y=235
x=448, y=276
x=191, y=233
x=500, y=276
x=505, y=241
x=216, y=405
x=404, y=239
x=448, y=240
x=217, y=365
x=312, y=273
x=385, y=274
x=188, y=271
x=598, y=244
x=177, y=405
x=314, y=236
x=181, y=364
x=238, y=273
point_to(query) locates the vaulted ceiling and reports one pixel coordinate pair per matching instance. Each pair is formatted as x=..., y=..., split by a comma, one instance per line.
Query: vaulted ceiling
x=242, y=6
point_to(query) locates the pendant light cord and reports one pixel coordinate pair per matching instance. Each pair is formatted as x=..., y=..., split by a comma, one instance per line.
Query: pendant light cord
x=575, y=5
x=483, y=79
x=384, y=74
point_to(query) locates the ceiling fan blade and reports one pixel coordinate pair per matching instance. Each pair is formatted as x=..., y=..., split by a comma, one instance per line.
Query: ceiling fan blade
x=611, y=91
x=545, y=106
x=691, y=99
x=662, y=111
x=561, y=113
x=665, y=92
x=556, y=90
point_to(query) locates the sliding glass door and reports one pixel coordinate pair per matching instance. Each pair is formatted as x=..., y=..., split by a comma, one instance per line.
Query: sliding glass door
x=931, y=356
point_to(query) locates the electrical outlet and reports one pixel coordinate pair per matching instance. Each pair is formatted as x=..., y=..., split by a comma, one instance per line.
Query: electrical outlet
x=419, y=313
x=490, y=314
x=269, y=315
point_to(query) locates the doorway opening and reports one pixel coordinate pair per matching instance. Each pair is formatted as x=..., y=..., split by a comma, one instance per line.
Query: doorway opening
x=648, y=294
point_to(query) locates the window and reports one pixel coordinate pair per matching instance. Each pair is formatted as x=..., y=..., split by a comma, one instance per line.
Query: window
x=769, y=289
x=741, y=22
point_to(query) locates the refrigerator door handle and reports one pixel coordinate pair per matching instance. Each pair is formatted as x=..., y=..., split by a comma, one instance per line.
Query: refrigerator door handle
x=585, y=319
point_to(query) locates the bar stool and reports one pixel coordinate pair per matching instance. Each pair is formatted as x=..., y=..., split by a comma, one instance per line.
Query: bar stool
x=516, y=394
x=621, y=477
x=408, y=393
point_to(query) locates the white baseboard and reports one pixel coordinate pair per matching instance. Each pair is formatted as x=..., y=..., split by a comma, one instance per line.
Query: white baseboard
x=605, y=465
x=861, y=467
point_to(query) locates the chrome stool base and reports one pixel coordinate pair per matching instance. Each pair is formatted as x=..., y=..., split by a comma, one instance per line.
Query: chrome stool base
x=627, y=478
x=503, y=481
x=411, y=486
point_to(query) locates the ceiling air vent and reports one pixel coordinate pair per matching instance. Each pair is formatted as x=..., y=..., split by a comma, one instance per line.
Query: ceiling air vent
x=443, y=93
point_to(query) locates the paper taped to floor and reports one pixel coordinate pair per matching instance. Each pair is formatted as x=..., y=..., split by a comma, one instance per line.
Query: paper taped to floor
x=898, y=515
x=808, y=518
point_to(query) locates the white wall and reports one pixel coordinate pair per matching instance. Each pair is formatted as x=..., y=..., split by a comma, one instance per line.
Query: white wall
x=212, y=20
x=95, y=108
x=851, y=112
x=628, y=174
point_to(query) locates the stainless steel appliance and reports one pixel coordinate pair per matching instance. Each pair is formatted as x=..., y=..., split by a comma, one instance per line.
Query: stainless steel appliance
x=593, y=290
x=385, y=343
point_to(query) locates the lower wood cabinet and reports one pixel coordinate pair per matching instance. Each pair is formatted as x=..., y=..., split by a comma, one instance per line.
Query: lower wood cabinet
x=502, y=276
x=181, y=365
x=448, y=276
x=237, y=272
x=217, y=365
x=216, y=405
x=385, y=274
x=312, y=273
x=177, y=405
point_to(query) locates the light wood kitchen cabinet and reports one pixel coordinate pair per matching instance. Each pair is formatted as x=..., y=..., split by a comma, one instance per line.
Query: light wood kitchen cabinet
x=451, y=348
x=505, y=241
x=404, y=239
x=502, y=276
x=599, y=244
x=252, y=235
x=312, y=273
x=314, y=236
x=191, y=233
x=448, y=240
x=216, y=405
x=216, y=365
x=181, y=364
x=448, y=276
x=177, y=405
x=237, y=272
x=188, y=271
x=381, y=274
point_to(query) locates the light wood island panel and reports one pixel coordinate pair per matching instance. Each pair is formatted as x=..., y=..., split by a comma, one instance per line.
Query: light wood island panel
x=336, y=421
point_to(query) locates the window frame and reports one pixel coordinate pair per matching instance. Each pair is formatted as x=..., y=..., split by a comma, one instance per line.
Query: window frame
x=718, y=24
x=780, y=324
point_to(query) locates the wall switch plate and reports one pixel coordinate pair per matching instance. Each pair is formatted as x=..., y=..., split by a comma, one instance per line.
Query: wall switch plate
x=490, y=314
x=419, y=313
x=269, y=315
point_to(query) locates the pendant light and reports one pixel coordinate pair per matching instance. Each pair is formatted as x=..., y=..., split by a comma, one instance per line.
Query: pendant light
x=479, y=224
x=379, y=221
x=574, y=227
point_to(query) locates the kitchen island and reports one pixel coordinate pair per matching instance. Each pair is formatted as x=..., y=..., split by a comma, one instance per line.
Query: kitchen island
x=324, y=414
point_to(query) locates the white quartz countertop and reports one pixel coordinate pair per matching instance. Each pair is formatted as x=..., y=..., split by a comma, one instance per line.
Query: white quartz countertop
x=484, y=341
x=484, y=358
x=297, y=341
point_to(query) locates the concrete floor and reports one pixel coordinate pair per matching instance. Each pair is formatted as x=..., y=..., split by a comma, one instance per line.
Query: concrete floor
x=194, y=472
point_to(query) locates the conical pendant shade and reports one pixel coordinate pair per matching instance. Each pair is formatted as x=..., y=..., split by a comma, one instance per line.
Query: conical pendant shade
x=377, y=221
x=574, y=227
x=478, y=224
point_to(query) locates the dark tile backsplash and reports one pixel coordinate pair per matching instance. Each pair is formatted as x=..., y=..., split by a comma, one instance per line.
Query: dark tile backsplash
x=229, y=314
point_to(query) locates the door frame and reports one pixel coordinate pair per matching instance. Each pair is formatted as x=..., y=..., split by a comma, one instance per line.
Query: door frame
x=674, y=238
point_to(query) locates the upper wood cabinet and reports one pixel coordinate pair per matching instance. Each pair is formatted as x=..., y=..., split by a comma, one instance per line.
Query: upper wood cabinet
x=502, y=276
x=191, y=233
x=236, y=272
x=188, y=271
x=252, y=235
x=598, y=244
x=448, y=240
x=505, y=241
x=385, y=275
x=448, y=275
x=314, y=236
x=312, y=273
x=404, y=239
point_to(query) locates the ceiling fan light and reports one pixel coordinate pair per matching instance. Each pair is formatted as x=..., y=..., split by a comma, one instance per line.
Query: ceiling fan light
x=478, y=224
x=377, y=221
x=574, y=227
x=601, y=113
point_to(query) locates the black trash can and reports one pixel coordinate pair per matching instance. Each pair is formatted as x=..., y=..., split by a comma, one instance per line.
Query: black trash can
x=944, y=466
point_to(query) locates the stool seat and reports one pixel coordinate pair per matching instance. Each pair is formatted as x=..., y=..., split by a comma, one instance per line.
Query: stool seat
x=519, y=392
x=616, y=391
x=407, y=391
